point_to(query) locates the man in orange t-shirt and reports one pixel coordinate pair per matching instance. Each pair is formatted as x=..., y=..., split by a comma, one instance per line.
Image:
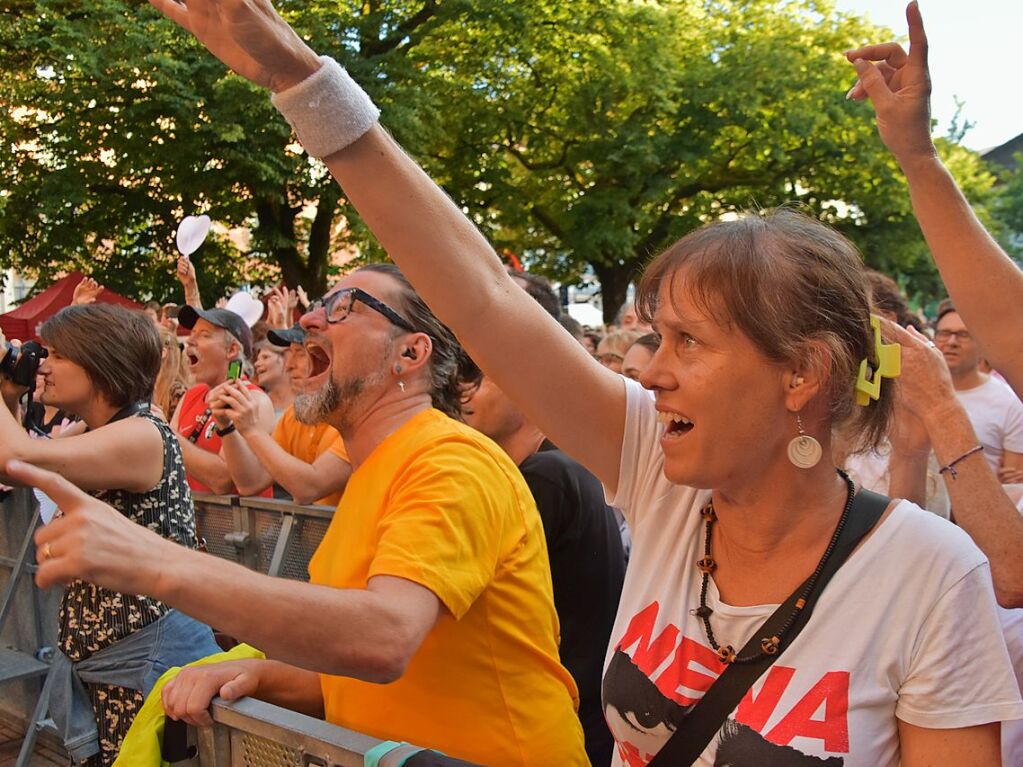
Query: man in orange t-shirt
x=430, y=615
x=305, y=457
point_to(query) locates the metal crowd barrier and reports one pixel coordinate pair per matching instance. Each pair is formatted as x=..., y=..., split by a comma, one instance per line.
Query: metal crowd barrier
x=256, y=734
x=272, y=536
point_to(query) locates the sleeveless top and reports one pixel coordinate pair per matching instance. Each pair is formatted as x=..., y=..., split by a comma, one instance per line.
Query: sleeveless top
x=92, y=618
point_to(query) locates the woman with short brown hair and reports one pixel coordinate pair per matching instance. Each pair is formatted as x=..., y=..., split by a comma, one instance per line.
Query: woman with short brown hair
x=102, y=364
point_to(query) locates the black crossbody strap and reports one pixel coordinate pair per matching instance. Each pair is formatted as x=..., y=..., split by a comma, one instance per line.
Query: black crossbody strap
x=703, y=721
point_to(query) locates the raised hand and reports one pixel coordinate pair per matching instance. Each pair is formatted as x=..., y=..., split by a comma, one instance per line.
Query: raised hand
x=186, y=271
x=898, y=85
x=301, y=298
x=925, y=381
x=248, y=36
x=86, y=292
x=279, y=307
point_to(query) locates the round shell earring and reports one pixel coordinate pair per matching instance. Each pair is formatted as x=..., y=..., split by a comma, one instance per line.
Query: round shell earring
x=804, y=451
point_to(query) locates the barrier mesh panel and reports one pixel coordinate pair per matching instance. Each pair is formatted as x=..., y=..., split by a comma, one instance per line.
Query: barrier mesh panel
x=260, y=752
x=213, y=523
x=305, y=538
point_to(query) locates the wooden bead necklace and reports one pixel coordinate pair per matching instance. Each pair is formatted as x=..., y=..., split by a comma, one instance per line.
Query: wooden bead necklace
x=768, y=645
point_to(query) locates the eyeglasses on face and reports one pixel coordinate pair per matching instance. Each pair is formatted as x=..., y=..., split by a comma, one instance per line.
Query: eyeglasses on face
x=947, y=335
x=338, y=306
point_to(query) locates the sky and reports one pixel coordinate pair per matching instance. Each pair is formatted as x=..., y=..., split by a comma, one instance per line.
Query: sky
x=975, y=54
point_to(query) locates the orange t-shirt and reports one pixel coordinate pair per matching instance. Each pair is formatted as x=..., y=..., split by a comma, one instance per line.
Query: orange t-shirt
x=439, y=504
x=309, y=443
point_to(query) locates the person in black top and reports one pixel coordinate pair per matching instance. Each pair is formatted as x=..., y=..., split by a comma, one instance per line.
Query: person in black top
x=583, y=543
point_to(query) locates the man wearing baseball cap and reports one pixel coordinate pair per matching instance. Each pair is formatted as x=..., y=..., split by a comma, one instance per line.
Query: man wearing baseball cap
x=216, y=338
x=305, y=456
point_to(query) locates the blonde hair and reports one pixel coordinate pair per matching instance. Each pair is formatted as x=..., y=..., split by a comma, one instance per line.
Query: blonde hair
x=174, y=377
x=619, y=341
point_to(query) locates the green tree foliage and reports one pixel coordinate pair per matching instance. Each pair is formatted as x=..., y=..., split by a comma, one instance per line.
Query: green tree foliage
x=1008, y=209
x=582, y=134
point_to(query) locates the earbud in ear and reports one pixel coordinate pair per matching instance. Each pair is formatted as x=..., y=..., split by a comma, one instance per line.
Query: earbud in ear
x=798, y=380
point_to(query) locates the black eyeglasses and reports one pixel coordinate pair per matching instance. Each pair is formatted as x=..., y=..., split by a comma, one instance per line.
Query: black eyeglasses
x=339, y=305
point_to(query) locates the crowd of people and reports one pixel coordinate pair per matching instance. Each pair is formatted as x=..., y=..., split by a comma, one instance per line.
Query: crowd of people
x=771, y=517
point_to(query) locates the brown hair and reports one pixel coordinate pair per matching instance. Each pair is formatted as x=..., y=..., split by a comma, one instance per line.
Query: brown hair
x=174, y=377
x=650, y=342
x=886, y=296
x=453, y=374
x=945, y=307
x=118, y=348
x=792, y=285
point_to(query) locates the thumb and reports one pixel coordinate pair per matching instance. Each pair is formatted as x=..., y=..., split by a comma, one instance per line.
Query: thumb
x=242, y=685
x=873, y=83
x=66, y=495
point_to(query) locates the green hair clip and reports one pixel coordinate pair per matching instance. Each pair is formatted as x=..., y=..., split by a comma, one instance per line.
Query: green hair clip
x=888, y=364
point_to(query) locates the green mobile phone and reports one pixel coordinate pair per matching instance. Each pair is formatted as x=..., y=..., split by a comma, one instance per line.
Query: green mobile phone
x=234, y=370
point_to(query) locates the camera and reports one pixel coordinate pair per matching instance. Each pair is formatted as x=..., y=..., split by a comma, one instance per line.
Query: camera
x=20, y=364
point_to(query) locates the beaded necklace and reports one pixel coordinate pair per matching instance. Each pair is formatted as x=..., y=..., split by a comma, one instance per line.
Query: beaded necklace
x=768, y=645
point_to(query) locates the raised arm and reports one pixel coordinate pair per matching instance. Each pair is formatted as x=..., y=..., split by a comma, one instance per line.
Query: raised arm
x=568, y=395
x=186, y=276
x=983, y=282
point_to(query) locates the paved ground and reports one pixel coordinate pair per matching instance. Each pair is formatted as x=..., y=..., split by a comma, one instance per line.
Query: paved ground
x=10, y=744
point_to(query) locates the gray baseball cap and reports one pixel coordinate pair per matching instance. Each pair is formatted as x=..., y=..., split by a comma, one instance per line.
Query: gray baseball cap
x=222, y=318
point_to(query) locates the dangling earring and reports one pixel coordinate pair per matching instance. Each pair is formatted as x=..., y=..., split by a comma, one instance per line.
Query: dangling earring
x=401, y=384
x=804, y=451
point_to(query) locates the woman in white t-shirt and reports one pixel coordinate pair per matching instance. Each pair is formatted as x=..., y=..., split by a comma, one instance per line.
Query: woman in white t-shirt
x=764, y=323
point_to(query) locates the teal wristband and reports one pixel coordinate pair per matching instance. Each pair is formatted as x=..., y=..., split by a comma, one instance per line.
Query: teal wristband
x=374, y=755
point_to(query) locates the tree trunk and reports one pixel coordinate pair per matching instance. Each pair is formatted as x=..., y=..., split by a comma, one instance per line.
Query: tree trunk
x=614, y=286
x=319, y=241
x=278, y=231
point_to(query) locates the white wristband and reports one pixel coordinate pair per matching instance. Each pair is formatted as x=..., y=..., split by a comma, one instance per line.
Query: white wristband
x=328, y=110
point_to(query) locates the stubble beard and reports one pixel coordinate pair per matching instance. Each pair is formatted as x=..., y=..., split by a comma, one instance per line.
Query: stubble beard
x=324, y=404
x=337, y=403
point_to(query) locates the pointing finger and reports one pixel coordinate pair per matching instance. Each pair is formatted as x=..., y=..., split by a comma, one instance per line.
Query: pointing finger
x=65, y=495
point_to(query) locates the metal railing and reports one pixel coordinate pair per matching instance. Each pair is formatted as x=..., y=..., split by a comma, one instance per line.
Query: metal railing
x=257, y=734
x=272, y=536
x=251, y=733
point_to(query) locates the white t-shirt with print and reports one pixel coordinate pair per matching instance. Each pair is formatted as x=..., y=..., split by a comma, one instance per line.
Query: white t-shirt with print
x=907, y=628
x=997, y=417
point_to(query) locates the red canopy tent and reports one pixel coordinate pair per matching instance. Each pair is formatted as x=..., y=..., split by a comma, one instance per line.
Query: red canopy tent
x=23, y=322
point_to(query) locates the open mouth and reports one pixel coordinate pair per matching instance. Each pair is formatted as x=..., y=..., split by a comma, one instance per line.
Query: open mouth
x=318, y=358
x=193, y=359
x=675, y=424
